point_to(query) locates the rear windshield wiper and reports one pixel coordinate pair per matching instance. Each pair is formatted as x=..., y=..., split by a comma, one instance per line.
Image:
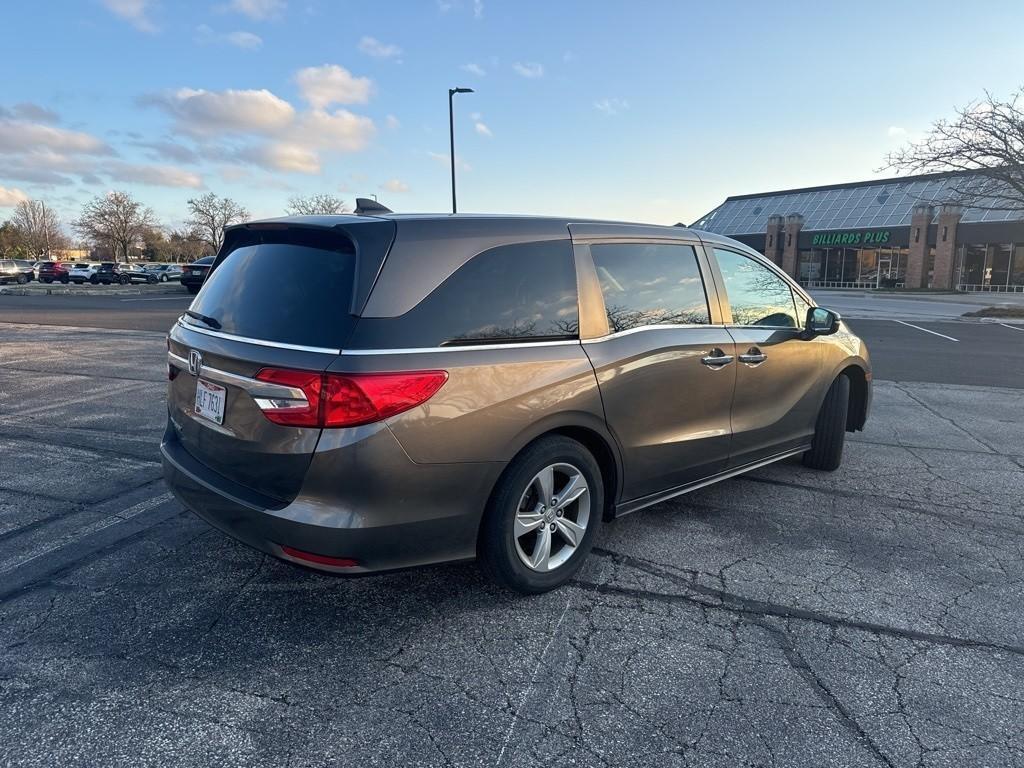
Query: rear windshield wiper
x=210, y=321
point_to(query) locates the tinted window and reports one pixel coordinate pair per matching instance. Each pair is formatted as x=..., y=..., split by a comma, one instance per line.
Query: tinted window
x=293, y=287
x=756, y=294
x=650, y=284
x=521, y=292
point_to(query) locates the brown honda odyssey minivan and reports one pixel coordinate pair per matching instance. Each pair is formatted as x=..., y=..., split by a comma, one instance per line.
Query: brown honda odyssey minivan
x=358, y=393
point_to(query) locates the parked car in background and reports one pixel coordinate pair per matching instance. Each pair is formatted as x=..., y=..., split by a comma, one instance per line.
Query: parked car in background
x=450, y=387
x=54, y=271
x=82, y=273
x=12, y=271
x=27, y=268
x=111, y=272
x=165, y=272
x=193, y=275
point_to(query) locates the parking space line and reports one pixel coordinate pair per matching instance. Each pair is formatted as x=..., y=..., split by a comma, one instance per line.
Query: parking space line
x=161, y=298
x=933, y=333
x=119, y=517
x=1012, y=327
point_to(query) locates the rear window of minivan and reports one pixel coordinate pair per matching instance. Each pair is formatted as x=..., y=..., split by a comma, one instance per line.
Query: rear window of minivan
x=289, y=286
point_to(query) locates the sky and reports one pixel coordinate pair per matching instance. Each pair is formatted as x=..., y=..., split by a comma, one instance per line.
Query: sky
x=645, y=111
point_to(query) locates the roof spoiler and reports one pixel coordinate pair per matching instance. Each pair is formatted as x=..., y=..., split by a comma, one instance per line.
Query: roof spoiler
x=365, y=205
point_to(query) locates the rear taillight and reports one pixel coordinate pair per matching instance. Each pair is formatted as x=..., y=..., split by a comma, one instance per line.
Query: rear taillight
x=346, y=400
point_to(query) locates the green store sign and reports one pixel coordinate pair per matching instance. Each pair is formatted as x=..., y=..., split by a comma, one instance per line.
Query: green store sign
x=881, y=237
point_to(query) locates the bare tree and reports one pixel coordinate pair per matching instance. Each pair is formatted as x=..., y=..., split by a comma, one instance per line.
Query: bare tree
x=210, y=214
x=316, y=204
x=984, y=141
x=116, y=220
x=186, y=245
x=39, y=227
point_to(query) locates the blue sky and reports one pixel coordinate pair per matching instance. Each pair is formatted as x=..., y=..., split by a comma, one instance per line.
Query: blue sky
x=651, y=111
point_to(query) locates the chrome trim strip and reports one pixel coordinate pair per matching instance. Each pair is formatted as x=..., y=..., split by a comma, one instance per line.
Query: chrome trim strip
x=465, y=348
x=260, y=342
x=664, y=326
x=254, y=387
x=636, y=505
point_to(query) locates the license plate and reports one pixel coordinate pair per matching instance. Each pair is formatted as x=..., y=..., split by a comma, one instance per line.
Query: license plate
x=196, y=272
x=210, y=401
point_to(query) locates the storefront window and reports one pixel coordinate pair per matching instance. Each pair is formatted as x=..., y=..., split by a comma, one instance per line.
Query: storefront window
x=997, y=265
x=1017, y=270
x=973, y=259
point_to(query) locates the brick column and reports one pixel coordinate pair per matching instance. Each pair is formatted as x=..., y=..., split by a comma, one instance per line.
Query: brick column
x=773, y=239
x=791, y=246
x=945, y=245
x=917, y=259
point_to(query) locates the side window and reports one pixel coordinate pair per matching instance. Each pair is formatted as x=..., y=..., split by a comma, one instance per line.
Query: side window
x=650, y=284
x=520, y=292
x=756, y=294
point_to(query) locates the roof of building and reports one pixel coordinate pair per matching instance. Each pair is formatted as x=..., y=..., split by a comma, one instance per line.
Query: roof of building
x=855, y=205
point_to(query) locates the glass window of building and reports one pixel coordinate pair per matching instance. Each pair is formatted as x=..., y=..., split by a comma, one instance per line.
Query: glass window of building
x=756, y=294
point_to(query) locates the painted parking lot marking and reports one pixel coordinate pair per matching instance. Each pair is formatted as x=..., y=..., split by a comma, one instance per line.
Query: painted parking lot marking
x=162, y=298
x=933, y=333
x=1012, y=327
x=119, y=517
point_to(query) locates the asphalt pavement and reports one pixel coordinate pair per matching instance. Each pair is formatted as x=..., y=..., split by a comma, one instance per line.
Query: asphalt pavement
x=870, y=616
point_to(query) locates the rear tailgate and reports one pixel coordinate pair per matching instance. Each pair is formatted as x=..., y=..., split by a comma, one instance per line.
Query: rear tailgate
x=277, y=298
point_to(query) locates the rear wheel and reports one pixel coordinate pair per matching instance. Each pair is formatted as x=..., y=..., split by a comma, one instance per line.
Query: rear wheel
x=93, y=280
x=22, y=279
x=830, y=429
x=124, y=280
x=163, y=278
x=47, y=280
x=543, y=516
x=65, y=280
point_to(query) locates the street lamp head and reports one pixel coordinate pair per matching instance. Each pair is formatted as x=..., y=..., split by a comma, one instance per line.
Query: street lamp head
x=460, y=90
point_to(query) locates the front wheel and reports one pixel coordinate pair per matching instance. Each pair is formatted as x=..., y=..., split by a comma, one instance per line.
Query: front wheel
x=830, y=429
x=65, y=280
x=124, y=280
x=22, y=279
x=543, y=516
x=163, y=278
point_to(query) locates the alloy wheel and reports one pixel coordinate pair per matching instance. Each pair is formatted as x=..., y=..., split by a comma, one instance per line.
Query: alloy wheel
x=551, y=517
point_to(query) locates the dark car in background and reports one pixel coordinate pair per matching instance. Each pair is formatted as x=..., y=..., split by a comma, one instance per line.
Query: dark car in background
x=110, y=272
x=459, y=387
x=53, y=271
x=193, y=275
x=15, y=271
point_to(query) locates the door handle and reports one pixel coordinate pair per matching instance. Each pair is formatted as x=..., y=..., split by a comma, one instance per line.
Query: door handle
x=716, y=359
x=753, y=357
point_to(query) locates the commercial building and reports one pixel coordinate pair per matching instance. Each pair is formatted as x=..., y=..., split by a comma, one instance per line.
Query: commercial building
x=900, y=233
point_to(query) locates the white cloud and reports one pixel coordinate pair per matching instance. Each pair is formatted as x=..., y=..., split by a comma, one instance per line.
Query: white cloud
x=474, y=69
x=26, y=110
x=153, y=175
x=611, y=106
x=134, y=12
x=240, y=39
x=341, y=130
x=371, y=46
x=482, y=129
x=246, y=40
x=443, y=6
x=258, y=10
x=897, y=131
x=331, y=84
x=443, y=158
x=18, y=137
x=283, y=156
x=213, y=113
x=393, y=122
x=478, y=9
x=395, y=185
x=11, y=196
x=530, y=70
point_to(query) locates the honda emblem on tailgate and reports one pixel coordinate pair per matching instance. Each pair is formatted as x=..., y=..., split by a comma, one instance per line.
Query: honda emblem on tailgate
x=195, y=362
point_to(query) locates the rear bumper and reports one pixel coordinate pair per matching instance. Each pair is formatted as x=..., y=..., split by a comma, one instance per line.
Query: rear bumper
x=365, y=500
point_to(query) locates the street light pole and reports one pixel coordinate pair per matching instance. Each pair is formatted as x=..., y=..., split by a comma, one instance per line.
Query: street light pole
x=451, y=135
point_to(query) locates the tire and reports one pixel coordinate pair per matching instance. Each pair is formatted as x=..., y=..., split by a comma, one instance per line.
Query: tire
x=193, y=289
x=22, y=279
x=47, y=280
x=163, y=278
x=93, y=280
x=65, y=280
x=830, y=429
x=124, y=280
x=503, y=556
x=151, y=280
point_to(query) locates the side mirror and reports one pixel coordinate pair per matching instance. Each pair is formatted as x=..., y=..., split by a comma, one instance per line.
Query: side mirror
x=820, y=322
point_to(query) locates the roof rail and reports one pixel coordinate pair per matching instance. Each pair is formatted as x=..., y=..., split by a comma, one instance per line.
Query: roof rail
x=366, y=205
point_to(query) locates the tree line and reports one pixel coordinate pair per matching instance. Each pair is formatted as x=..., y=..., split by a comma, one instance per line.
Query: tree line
x=124, y=229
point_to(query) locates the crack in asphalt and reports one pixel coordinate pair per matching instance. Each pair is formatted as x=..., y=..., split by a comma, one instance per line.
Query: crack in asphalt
x=734, y=603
